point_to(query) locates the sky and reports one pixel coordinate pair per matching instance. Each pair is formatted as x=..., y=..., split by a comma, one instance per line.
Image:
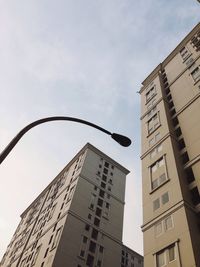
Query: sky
x=84, y=59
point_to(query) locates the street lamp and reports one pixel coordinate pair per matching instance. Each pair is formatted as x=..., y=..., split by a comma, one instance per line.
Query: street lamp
x=122, y=140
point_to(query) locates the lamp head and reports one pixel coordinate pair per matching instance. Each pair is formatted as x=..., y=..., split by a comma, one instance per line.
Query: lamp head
x=121, y=139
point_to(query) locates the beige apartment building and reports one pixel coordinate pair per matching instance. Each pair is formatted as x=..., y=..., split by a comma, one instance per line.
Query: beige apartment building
x=170, y=121
x=77, y=220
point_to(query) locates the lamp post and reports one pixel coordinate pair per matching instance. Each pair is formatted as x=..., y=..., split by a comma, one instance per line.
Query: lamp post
x=122, y=140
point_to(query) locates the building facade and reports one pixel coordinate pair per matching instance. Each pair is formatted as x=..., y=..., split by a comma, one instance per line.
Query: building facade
x=170, y=121
x=77, y=220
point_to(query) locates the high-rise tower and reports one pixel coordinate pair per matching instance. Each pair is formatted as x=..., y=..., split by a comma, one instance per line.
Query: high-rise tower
x=77, y=220
x=170, y=119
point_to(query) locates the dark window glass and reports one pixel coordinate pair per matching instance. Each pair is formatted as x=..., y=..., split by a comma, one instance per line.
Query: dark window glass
x=173, y=112
x=175, y=121
x=106, y=164
x=54, y=227
x=101, y=193
x=90, y=260
x=87, y=227
x=84, y=239
x=105, y=171
x=94, y=233
x=46, y=253
x=101, y=249
x=181, y=144
x=171, y=104
x=107, y=205
x=189, y=175
x=104, y=178
x=100, y=202
x=50, y=239
x=92, y=246
x=178, y=132
x=82, y=253
x=98, y=263
x=195, y=196
x=103, y=185
x=98, y=212
x=96, y=221
x=185, y=157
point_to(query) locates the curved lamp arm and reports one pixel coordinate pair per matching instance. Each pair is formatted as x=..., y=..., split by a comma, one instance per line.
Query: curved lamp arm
x=122, y=140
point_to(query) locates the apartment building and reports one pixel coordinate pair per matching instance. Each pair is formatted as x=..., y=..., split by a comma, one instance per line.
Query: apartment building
x=77, y=220
x=170, y=123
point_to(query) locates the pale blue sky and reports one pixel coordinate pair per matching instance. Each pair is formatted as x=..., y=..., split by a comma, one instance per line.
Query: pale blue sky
x=85, y=59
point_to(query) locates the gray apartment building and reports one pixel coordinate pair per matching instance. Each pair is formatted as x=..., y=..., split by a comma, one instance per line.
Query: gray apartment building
x=170, y=121
x=77, y=220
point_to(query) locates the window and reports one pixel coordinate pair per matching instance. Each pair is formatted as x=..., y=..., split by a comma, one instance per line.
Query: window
x=89, y=216
x=151, y=104
x=185, y=157
x=92, y=247
x=165, y=256
x=85, y=239
x=151, y=93
x=151, y=112
x=96, y=221
x=153, y=123
x=104, y=178
x=90, y=260
x=158, y=229
x=195, y=196
x=50, y=239
x=100, y=202
x=184, y=53
x=92, y=201
x=82, y=253
x=171, y=251
x=101, y=193
x=71, y=192
x=156, y=204
x=99, y=263
x=196, y=74
x=160, y=201
x=56, y=238
x=161, y=260
x=100, y=249
x=87, y=227
x=47, y=250
x=159, y=163
x=103, y=185
x=105, y=171
x=156, y=182
x=168, y=223
x=94, y=233
x=107, y=205
x=155, y=151
x=165, y=198
x=189, y=175
x=163, y=226
x=98, y=212
x=106, y=164
x=35, y=255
